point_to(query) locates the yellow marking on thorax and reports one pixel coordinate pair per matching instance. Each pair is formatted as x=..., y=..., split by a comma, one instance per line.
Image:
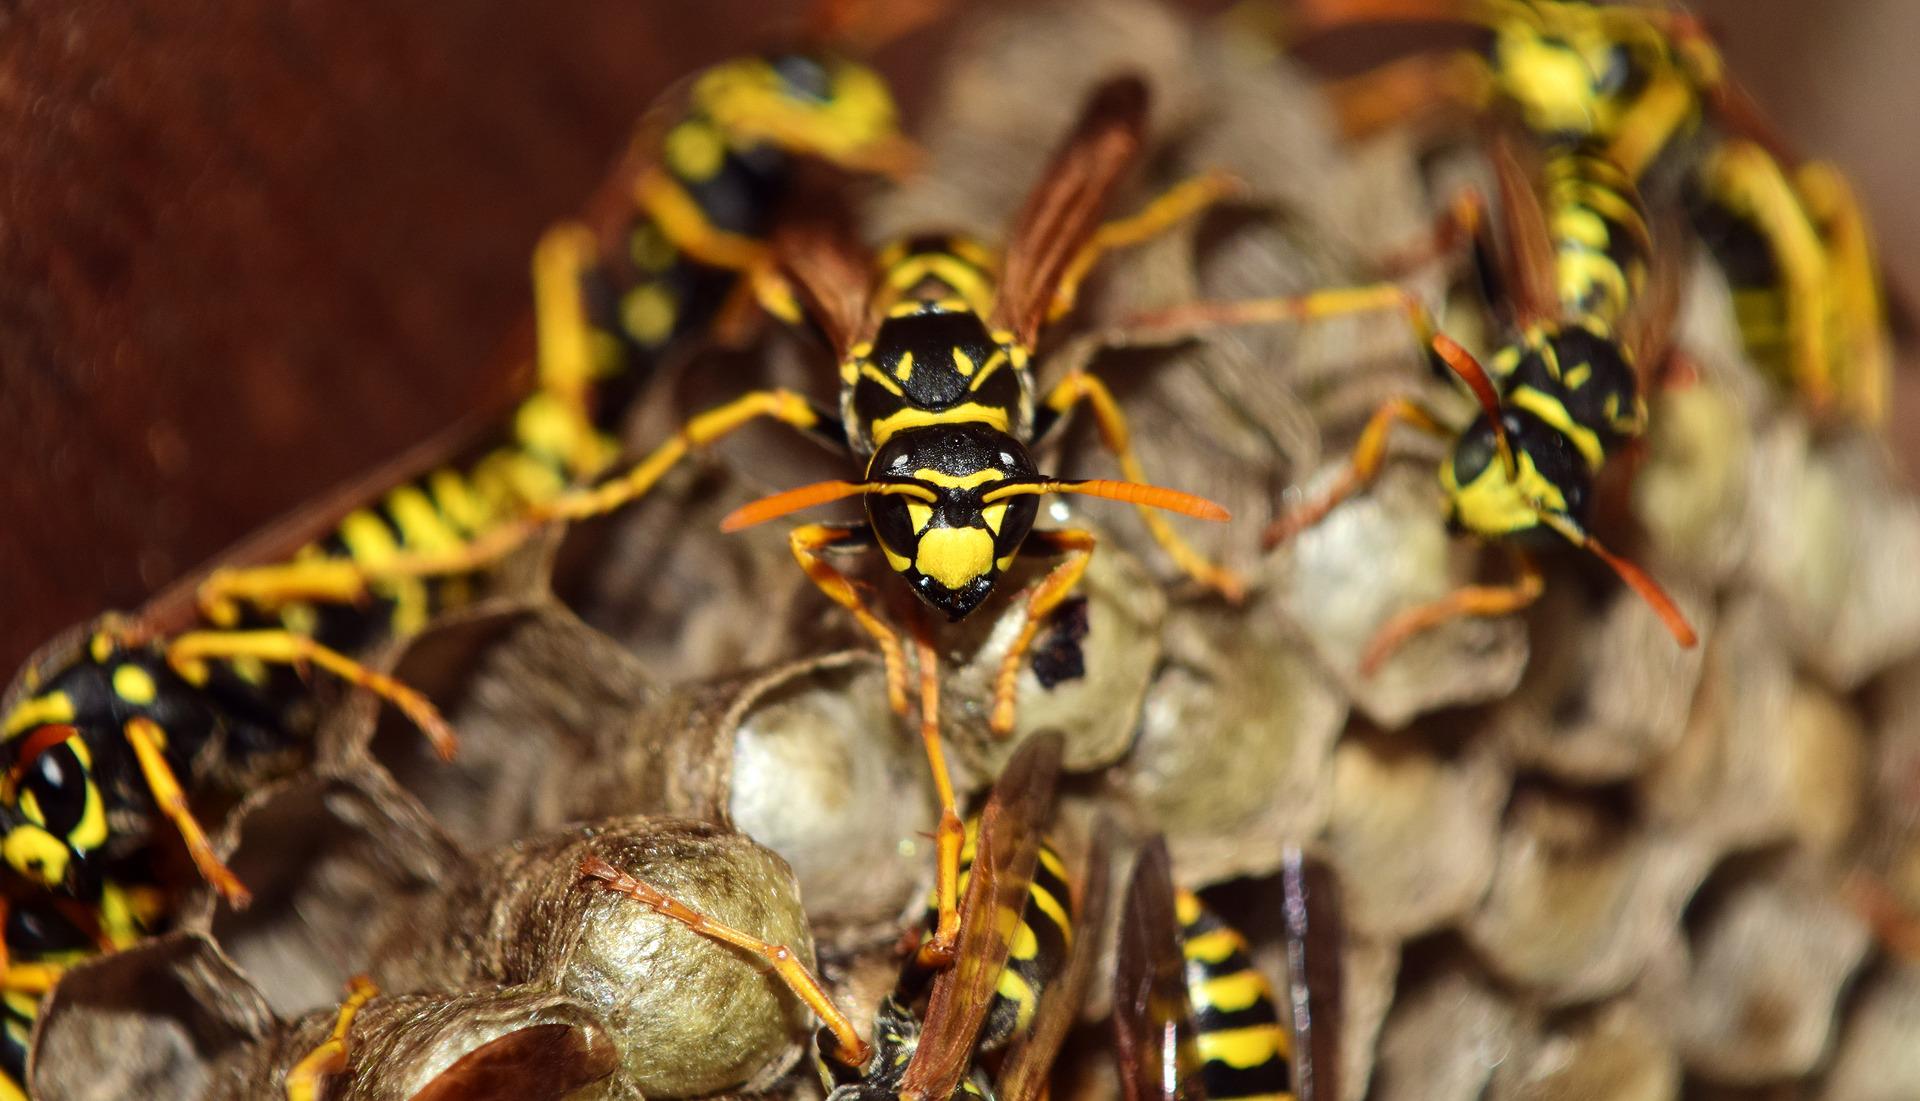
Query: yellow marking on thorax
x=54, y=707
x=885, y=427
x=903, y=370
x=648, y=312
x=1244, y=1048
x=1554, y=411
x=695, y=150
x=135, y=685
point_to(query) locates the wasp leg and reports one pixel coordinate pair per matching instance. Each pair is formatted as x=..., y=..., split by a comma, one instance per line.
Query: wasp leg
x=1175, y=205
x=580, y=504
x=1658, y=113
x=1363, y=466
x=1114, y=433
x=33, y=979
x=938, y=950
x=1749, y=183
x=1474, y=600
x=149, y=748
x=807, y=541
x=1854, y=281
x=320, y=580
x=570, y=355
x=189, y=651
x=851, y=1050
x=1078, y=546
x=330, y=1058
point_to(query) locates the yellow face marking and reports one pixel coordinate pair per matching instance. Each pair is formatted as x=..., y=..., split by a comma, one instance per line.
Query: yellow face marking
x=54, y=707
x=135, y=685
x=695, y=151
x=1493, y=505
x=994, y=515
x=919, y=514
x=36, y=854
x=1243, y=1048
x=648, y=311
x=954, y=556
x=1578, y=375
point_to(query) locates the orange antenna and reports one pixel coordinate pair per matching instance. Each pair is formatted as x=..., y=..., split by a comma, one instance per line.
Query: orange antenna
x=1133, y=493
x=819, y=493
x=1636, y=578
x=1468, y=369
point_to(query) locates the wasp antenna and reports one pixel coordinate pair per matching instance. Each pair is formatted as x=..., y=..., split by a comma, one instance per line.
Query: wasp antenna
x=1468, y=370
x=1132, y=493
x=819, y=493
x=1636, y=578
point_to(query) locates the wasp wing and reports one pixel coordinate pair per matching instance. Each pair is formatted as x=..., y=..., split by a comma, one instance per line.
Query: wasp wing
x=1007, y=848
x=1023, y=1077
x=1315, y=974
x=1526, y=267
x=1063, y=209
x=1152, y=1014
x=826, y=268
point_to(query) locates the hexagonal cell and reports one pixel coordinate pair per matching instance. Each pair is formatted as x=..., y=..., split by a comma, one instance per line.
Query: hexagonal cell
x=1382, y=551
x=1581, y=896
x=1773, y=948
x=1610, y=1053
x=1415, y=831
x=1876, y=1058
x=1233, y=754
x=1448, y=1032
x=1692, y=494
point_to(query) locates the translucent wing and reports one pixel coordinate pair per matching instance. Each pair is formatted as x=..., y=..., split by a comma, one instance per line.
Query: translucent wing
x=1023, y=1077
x=826, y=268
x=1152, y=1016
x=1528, y=270
x=1063, y=210
x=1004, y=858
x=1314, y=974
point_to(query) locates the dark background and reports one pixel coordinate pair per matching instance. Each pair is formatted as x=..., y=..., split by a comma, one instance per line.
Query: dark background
x=247, y=251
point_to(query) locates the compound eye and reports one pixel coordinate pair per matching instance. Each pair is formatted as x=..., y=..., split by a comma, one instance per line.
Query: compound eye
x=893, y=522
x=58, y=785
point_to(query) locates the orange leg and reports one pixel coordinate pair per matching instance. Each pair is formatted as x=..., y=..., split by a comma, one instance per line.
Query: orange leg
x=1417, y=88
x=1176, y=205
x=189, y=651
x=807, y=542
x=1474, y=600
x=1369, y=455
x=1078, y=546
x=1079, y=387
x=330, y=1058
x=938, y=951
x=149, y=748
x=850, y=1050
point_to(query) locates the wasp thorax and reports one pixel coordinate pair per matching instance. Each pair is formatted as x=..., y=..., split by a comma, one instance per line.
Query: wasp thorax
x=948, y=540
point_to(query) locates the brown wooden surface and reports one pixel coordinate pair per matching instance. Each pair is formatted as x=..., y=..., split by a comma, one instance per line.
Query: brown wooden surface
x=247, y=250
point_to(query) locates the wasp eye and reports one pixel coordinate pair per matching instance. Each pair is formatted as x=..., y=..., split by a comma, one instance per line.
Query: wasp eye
x=57, y=783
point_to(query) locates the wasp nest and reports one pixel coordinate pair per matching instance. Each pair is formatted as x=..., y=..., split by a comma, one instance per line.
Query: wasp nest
x=1578, y=861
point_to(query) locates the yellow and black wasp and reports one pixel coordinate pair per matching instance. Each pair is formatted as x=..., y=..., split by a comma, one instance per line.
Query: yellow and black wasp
x=1193, y=1018
x=1646, y=85
x=126, y=730
x=935, y=345
x=1563, y=393
x=42, y=936
x=1023, y=960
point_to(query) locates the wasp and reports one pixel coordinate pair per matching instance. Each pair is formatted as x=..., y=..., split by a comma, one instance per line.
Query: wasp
x=42, y=937
x=1193, y=1018
x=935, y=343
x=1648, y=86
x=1559, y=396
x=130, y=726
x=1010, y=989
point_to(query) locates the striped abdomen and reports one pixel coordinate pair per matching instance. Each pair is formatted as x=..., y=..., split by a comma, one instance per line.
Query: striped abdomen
x=1246, y=1052
x=1598, y=228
